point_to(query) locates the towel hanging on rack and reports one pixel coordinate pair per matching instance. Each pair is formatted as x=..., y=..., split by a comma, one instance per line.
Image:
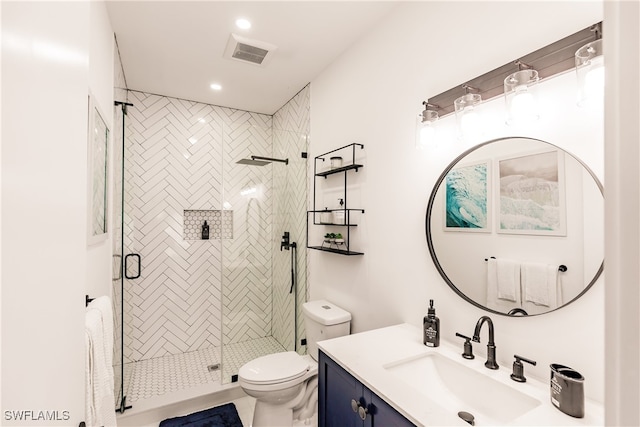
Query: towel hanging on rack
x=503, y=285
x=540, y=284
x=99, y=395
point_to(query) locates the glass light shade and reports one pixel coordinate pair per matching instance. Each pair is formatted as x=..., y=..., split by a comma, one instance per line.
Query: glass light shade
x=470, y=123
x=425, y=128
x=590, y=72
x=521, y=97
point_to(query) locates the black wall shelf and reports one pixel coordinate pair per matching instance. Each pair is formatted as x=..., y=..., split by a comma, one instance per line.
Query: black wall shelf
x=335, y=251
x=315, y=213
x=338, y=170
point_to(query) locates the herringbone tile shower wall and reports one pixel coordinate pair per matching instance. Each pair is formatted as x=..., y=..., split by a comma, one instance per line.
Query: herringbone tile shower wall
x=291, y=132
x=181, y=155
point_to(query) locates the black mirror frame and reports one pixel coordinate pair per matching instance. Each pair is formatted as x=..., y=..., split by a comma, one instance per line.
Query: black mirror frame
x=432, y=250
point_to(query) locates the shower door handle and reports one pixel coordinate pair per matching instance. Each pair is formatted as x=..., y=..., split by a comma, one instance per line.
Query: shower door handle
x=126, y=266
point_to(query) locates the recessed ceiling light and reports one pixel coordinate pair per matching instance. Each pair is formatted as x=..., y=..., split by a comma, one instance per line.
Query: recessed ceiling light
x=243, y=24
x=215, y=86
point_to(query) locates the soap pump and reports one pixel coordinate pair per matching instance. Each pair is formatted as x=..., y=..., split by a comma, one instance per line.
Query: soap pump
x=431, y=328
x=205, y=231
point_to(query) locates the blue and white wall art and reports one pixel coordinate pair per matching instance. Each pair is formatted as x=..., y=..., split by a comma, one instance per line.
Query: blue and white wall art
x=467, y=205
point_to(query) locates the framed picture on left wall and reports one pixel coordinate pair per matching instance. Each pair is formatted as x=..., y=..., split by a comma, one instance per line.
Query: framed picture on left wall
x=97, y=174
x=468, y=198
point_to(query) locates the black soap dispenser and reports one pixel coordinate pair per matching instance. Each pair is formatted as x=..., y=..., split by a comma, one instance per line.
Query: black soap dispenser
x=205, y=231
x=431, y=328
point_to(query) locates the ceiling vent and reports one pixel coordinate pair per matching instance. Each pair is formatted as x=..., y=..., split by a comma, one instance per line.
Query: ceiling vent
x=247, y=50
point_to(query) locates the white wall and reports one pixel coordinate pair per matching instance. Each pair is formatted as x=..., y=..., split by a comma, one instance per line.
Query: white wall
x=52, y=53
x=622, y=340
x=101, y=46
x=44, y=131
x=371, y=95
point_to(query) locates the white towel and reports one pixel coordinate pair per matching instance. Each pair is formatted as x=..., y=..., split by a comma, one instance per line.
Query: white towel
x=508, y=273
x=540, y=284
x=508, y=276
x=99, y=396
x=103, y=305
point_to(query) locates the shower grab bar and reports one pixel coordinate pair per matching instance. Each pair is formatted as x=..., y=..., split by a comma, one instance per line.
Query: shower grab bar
x=126, y=266
x=562, y=268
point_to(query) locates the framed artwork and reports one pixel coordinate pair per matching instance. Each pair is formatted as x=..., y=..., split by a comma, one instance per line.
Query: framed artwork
x=467, y=198
x=532, y=194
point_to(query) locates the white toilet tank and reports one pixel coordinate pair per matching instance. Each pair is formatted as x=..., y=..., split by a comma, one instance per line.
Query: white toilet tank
x=323, y=321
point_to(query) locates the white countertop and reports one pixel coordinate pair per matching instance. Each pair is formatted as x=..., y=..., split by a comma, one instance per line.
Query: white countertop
x=365, y=354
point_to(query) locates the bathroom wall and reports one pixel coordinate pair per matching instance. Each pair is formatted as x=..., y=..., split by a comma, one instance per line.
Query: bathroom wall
x=101, y=47
x=372, y=95
x=622, y=295
x=46, y=75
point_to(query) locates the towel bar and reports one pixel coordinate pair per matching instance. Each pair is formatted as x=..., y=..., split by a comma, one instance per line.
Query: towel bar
x=561, y=267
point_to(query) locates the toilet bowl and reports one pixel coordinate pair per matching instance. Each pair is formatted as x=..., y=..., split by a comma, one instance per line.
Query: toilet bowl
x=285, y=384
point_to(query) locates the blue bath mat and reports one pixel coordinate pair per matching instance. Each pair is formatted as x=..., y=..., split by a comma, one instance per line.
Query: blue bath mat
x=220, y=416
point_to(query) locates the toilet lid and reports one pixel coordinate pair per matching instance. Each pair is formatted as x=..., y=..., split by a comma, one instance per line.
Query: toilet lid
x=274, y=368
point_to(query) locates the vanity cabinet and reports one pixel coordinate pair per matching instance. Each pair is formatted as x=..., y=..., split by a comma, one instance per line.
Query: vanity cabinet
x=323, y=169
x=343, y=401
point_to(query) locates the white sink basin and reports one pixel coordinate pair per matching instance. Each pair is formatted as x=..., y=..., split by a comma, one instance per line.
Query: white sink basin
x=459, y=387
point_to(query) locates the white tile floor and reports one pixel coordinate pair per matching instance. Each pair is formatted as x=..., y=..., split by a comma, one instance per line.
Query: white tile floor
x=147, y=379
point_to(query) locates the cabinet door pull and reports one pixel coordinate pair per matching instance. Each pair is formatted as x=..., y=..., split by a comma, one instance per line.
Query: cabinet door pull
x=363, y=412
x=359, y=408
x=355, y=405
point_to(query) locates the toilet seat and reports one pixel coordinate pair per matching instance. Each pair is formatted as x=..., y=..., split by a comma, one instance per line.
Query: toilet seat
x=274, y=369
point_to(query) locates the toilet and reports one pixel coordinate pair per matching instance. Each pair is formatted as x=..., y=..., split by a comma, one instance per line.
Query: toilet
x=285, y=385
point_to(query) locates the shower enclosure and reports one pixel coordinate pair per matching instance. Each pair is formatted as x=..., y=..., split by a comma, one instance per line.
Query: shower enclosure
x=190, y=311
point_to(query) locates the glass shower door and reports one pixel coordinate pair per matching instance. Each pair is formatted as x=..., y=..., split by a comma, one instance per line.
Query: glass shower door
x=258, y=300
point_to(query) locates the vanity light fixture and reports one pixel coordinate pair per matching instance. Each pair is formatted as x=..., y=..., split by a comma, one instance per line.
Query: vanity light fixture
x=590, y=72
x=469, y=120
x=517, y=80
x=425, y=125
x=520, y=96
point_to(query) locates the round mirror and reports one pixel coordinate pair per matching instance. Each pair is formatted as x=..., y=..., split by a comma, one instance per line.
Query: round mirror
x=516, y=226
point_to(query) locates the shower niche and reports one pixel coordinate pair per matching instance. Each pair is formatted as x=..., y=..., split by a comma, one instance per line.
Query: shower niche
x=220, y=223
x=331, y=175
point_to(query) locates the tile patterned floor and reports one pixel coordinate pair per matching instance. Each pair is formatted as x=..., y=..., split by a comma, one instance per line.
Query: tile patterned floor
x=154, y=377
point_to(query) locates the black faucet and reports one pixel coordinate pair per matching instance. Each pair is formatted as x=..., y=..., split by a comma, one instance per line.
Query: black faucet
x=491, y=345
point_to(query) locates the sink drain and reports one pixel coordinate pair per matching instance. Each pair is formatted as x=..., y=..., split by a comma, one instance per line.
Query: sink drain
x=469, y=418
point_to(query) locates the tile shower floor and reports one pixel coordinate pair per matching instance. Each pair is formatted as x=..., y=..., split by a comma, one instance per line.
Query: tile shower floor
x=146, y=379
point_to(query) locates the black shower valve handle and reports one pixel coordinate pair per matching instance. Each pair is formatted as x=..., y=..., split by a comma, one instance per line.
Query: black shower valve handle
x=284, y=243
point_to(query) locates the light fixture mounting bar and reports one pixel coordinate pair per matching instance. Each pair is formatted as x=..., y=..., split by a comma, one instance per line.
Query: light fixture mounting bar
x=550, y=60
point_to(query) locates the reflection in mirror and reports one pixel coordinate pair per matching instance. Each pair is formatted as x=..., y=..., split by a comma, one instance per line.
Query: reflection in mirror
x=98, y=148
x=516, y=226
